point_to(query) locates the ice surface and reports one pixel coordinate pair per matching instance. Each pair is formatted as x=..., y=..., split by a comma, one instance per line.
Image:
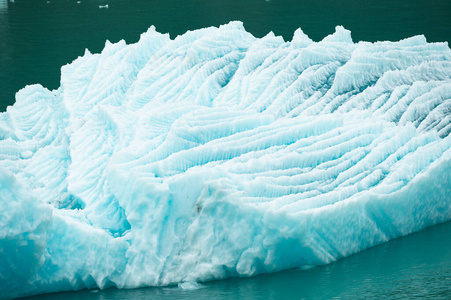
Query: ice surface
x=219, y=154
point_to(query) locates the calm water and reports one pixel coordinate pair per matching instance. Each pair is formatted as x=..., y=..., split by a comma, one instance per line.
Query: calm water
x=37, y=38
x=414, y=267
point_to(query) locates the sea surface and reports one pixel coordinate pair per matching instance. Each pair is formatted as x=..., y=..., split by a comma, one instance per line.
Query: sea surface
x=417, y=266
x=37, y=37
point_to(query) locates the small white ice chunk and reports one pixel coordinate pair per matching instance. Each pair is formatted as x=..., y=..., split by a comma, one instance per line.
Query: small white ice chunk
x=190, y=285
x=26, y=154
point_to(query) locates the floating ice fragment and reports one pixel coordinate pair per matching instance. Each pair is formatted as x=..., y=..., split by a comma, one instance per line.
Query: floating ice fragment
x=219, y=154
x=190, y=286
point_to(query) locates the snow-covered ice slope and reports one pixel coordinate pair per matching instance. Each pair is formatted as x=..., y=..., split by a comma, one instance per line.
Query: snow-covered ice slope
x=219, y=154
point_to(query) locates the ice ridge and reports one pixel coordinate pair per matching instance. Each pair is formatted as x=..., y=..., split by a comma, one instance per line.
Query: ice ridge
x=218, y=154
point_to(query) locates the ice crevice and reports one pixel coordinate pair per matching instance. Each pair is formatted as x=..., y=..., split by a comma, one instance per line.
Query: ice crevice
x=218, y=154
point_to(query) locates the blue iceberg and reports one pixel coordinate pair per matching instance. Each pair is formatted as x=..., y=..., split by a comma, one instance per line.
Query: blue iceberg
x=218, y=154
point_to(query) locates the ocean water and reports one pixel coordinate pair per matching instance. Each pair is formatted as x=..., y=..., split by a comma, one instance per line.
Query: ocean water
x=417, y=266
x=37, y=37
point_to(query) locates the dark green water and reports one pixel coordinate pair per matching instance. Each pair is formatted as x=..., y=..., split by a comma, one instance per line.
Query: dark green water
x=413, y=267
x=37, y=38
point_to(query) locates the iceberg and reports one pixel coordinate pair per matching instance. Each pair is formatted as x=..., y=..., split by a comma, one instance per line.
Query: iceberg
x=219, y=154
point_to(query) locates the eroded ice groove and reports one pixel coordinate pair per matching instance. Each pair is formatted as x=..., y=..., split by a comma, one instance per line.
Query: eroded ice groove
x=218, y=154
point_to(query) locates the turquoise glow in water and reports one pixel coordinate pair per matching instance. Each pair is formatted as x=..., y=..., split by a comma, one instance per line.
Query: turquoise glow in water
x=416, y=266
x=37, y=37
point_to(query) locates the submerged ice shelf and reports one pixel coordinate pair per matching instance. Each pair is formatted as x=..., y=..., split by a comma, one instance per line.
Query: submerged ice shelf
x=219, y=154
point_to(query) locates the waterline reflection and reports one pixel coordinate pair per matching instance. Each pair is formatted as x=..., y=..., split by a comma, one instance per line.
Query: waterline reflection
x=3, y=6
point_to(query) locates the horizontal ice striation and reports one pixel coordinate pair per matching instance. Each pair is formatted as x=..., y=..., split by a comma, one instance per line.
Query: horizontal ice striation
x=218, y=154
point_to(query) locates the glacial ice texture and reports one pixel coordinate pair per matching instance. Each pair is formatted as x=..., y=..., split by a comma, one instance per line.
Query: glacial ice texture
x=219, y=154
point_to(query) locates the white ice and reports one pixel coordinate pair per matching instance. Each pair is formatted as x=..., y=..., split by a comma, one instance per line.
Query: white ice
x=219, y=154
